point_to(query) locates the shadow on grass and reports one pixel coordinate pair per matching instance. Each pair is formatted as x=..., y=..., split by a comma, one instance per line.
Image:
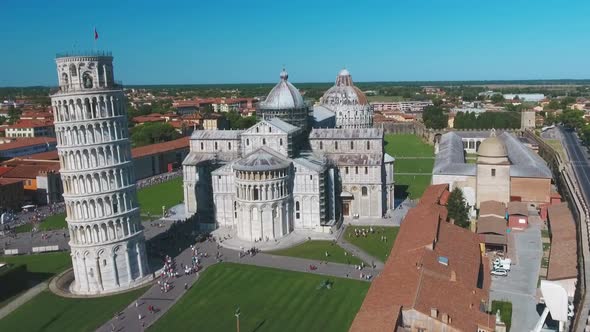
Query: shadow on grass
x=401, y=191
x=21, y=281
x=259, y=326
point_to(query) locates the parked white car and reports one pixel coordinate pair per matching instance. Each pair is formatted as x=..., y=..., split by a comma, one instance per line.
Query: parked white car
x=499, y=272
x=502, y=264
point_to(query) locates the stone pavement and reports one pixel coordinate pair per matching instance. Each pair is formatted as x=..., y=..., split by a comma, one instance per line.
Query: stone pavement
x=229, y=239
x=129, y=317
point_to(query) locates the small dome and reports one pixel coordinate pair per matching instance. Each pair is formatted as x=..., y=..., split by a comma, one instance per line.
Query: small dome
x=344, y=72
x=283, y=96
x=261, y=160
x=344, y=92
x=492, y=147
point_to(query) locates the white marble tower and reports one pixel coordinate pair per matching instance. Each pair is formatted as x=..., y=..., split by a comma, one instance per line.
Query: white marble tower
x=106, y=235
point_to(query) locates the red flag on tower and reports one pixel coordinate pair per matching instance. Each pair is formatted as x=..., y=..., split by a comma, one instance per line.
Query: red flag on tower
x=95, y=34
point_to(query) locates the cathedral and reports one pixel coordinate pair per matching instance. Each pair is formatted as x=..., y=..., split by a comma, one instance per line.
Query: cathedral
x=282, y=175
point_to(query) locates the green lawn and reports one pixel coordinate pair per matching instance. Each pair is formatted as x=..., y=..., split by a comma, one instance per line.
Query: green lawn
x=407, y=145
x=505, y=311
x=558, y=147
x=316, y=250
x=40, y=267
x=269, y=300
x=412, y=185
x=372, y=244
x=414, y=165
x=151, y=199
x=48, y=312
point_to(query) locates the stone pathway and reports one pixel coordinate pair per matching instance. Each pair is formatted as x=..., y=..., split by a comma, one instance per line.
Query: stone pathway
x=129, y=317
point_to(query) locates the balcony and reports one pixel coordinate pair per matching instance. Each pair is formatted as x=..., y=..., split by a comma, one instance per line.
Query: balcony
x=83, y=53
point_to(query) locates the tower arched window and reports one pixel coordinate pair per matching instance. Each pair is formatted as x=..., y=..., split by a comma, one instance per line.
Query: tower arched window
x=356, y=170
x=248, y=141
x=264, y=141
x=364, y=191
x=351, y=145
x=87, y=80
x=368, y=145
x=235, y=209
x=73, y=70
x=229, y=145
x=335, y=145
x=297, y=210
x=216, y=145
x=280, y=141
x=321, y=145
x=202, y=146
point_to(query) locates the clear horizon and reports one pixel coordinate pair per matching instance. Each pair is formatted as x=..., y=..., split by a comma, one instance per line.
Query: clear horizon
x=231, y=42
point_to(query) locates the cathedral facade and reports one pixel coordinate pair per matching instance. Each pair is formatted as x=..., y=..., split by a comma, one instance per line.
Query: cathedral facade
x=278, y=176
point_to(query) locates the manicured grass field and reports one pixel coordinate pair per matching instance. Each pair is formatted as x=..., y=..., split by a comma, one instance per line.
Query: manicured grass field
x=269, y=300
x=414, y=165
x=505, y=311
x=407, y=145
x=48, y=312
x=40, y=267
x=372, y=244
x=151, y=199
x=316, y=250
x=57, y=221
x=412, y=185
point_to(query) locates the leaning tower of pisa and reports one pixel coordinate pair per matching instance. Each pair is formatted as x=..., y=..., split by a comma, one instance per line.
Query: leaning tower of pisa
x=106, y=235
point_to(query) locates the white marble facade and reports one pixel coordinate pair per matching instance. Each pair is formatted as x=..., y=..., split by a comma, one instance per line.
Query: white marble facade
x=275, y=178
x=106, y=236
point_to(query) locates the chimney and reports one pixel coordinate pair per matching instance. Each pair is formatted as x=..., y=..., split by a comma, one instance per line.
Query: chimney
x=433, y=312
x=445, y=318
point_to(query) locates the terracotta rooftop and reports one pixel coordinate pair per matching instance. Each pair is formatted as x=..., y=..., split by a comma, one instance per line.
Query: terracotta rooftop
x=31, y=124
x=452, y=287
x=563, y=254
x=491, y=224
x=4, y=181
x=489, y=208
x=519, y=208
x=434, y=193
x=49, y=155
x=25, y=171
x=152, y=149
x=24, y=142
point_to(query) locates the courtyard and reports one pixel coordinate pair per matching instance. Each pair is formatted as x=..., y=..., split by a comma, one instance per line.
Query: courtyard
x=269, y=300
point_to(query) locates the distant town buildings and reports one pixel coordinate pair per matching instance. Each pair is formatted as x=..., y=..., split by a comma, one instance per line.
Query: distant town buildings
x=31, y=128
x=400, y=106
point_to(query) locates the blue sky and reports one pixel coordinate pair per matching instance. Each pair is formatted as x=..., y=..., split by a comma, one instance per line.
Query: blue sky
x=204, y=41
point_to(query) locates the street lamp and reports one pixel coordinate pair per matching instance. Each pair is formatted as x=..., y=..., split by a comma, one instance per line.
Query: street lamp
x=237, y=314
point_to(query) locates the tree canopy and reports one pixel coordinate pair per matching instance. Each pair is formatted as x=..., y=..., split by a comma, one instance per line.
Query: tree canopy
x=237, y=121
x=153, y=132
x=497, y=98
x=458, y=208
x=434, y=117
x=572, y=118
x=487, y=120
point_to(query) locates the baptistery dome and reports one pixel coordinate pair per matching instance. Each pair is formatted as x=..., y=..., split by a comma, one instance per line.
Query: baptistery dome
x=285, y=102
x=344, y=92
x=348, y=102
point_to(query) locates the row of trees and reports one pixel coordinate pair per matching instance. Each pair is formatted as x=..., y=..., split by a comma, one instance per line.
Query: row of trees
x=152, y=132
x=434, y=117
x=487, y=120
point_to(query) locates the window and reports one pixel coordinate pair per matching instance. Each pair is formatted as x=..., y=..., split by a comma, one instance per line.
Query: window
x=104, y=262
x=351, y=145
x=311, y=177
x=346, y=170
x=202, y=146
x=256, y=194
x=270, y=129
x=493, y=172
x=264, y=141
x=368, y=145
x=364, y=191
x=247, y=141
x=366, y=170
x=229, y=145
x=356, y=170
x=297, y=209
x=321, y=145
x=215, y=145
x=235, y=209
x=281, y=142
x=336, y=145
x=257, y=129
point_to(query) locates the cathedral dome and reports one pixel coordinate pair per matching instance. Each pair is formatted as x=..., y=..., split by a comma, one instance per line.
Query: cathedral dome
x=283, y=96
x=492, y=147
x=344, y=92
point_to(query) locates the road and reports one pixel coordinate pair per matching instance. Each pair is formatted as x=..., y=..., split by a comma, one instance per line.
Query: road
x=578, y=159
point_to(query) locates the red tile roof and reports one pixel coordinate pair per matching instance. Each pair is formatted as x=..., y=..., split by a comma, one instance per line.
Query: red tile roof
x=152, y=149
x=433, y=194
x=424, y=237
x=492, y=208
x=30, y=171
x=32, y=124
x=24, y=142
x=49, y=155
x=563, y=255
